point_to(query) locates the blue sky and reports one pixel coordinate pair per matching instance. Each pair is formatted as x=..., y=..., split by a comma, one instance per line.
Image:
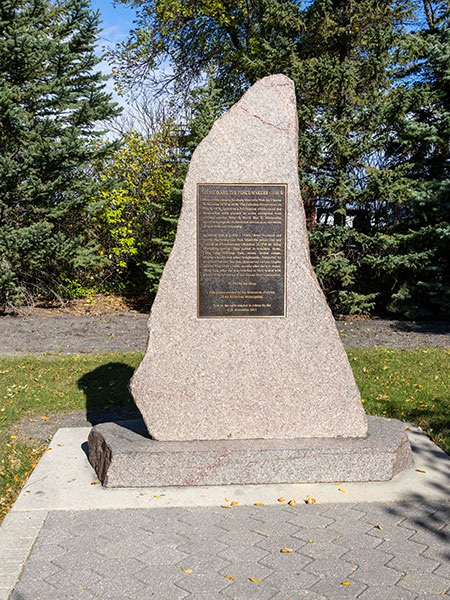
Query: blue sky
x=117, y=20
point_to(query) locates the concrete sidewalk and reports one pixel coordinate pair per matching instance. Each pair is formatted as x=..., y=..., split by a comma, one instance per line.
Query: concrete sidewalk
x=367, y=540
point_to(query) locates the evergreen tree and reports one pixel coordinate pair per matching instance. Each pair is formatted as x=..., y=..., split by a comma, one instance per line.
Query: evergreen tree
x=51, y=101
x=206, y=106
x=344, y=88
x=421, y=145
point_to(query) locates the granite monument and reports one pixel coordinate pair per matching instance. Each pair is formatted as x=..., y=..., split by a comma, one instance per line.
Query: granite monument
x=245, y=378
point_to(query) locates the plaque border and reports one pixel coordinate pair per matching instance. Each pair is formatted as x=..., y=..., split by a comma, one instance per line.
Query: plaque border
x=285, y=185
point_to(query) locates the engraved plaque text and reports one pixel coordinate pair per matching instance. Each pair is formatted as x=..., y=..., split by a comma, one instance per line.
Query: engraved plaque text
x=241, y=250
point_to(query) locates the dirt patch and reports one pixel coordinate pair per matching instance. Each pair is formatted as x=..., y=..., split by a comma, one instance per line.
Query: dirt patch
x=127, y=332
x=96, y=304
x=394, y=334
x=67, y=333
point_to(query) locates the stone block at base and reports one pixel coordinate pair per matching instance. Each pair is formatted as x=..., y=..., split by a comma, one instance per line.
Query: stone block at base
x=123, y=456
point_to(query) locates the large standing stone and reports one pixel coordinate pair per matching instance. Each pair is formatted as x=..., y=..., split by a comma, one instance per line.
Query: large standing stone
x=229, y=378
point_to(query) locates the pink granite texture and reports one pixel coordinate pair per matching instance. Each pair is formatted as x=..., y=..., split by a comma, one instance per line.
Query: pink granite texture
x=246, y=378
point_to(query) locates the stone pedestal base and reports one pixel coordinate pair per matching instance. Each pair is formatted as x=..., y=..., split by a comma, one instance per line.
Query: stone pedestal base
x=123, y=456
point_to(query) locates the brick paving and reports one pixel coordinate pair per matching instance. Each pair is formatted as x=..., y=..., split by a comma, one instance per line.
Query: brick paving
x=369, y=551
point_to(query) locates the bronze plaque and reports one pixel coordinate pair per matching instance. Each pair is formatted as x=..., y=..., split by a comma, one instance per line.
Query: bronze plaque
x=241, y=250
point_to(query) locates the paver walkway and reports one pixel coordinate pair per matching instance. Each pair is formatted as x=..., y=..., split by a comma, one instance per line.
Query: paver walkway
x=370, y=551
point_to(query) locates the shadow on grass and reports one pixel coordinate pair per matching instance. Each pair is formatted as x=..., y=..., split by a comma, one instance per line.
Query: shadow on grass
x=433, y=419
x=108, y=397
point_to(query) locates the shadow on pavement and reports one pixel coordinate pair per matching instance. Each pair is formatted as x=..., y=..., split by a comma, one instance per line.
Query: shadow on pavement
x=425, y=514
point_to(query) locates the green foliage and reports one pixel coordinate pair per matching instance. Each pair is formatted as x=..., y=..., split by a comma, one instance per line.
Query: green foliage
x=243, y=40
x=206, y=106
x=372, y=81
x=402, y=274
x=50, y=102
x=136, y=221
x=344, y=85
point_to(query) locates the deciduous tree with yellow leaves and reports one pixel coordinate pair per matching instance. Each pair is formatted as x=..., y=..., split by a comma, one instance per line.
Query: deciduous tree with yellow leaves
x=136, y=219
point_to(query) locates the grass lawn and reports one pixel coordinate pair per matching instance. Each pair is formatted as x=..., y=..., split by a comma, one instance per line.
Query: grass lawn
x=408, y=385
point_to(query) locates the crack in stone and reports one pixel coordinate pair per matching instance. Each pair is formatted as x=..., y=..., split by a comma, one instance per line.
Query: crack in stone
x=285, y=130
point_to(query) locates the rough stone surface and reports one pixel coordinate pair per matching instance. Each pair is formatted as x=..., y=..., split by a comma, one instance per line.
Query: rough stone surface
x=171, y=554
x=125, y=458
x=212, y=379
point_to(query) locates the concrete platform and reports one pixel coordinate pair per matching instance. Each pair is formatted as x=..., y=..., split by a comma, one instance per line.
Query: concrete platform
x=123, y=456
x=65, y=481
